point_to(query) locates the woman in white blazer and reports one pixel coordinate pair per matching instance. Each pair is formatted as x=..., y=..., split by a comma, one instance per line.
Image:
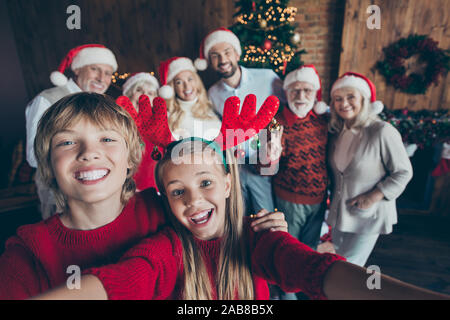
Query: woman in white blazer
x=370, y=168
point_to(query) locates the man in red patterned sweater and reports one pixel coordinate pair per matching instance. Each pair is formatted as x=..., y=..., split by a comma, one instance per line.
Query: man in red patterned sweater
x=301, y=181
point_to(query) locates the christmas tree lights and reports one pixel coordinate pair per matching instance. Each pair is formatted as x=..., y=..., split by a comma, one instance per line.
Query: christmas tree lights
x=266, y=30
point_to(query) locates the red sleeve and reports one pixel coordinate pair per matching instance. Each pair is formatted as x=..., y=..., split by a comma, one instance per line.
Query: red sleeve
x=150, y=270
x=21, y=274
x=144, y=177
x=149, y=206
x=281, y=259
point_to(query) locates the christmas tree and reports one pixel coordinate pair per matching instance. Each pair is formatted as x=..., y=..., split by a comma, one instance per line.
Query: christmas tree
x=266, y=30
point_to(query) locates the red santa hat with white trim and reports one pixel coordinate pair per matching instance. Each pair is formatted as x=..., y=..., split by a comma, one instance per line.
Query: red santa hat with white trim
x=82, y=56
x=168, y=70
x=137, y=77
x=308, y=73
x=363, y=84
x=214, y=37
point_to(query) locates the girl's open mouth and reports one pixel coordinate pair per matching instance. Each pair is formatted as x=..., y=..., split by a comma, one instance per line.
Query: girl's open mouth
x=202, y=217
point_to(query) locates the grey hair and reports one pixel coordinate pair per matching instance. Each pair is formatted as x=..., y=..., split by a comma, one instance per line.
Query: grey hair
x=364, y=118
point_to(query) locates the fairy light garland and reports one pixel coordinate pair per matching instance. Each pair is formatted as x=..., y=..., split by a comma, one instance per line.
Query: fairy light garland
x=271, y=20
x=267, y=34
x=123, y=76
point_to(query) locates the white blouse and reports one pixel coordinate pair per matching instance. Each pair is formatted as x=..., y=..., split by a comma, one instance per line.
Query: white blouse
x=346, y=146
x=194, y=127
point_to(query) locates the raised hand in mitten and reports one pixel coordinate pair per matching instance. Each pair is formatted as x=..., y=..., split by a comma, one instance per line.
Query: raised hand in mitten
x=126, y=103
x=240, y=126
x=151, y=122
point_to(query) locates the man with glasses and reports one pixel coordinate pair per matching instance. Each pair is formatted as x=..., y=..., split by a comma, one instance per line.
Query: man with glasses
x=301, y=181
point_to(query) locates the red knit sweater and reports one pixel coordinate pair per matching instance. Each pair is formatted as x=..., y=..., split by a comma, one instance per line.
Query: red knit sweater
x=154, y=268
x=302, y=174
x=145, y=175
x=37, y=257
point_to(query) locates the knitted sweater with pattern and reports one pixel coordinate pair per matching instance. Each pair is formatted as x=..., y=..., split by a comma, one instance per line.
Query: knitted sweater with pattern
x=302, y=173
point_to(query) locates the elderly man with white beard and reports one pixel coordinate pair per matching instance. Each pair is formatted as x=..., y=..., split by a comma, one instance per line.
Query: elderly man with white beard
x=301, y=181
x=92, y=66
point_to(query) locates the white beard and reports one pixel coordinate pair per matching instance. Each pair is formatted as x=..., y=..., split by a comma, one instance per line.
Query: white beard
x=301, y=112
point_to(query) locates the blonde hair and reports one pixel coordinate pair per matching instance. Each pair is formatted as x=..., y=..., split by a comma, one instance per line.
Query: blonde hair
x=234, y=275
x=202, y=109
x=363, y=119
x=101, y=111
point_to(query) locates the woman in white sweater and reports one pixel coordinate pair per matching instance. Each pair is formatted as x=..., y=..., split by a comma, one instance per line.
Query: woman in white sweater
x=189, y=110
x=370, y=168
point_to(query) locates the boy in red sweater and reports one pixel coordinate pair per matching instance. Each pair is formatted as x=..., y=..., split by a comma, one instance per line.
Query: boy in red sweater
x=88, y=149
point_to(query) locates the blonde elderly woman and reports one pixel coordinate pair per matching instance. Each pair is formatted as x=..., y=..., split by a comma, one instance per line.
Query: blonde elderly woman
x=143, y=83
x=370, y=168
x=189, y=110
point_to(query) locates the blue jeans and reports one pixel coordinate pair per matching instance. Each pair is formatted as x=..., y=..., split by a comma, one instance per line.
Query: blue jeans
x=256, y=190
x=304, y=220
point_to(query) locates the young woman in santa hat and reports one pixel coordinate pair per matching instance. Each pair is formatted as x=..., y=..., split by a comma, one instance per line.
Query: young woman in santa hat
x=143, y=83
x=370, y=166
x=189, y=110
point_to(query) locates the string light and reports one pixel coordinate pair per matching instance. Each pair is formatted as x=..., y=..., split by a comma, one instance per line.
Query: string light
x=116, y=76
x=270, y=18
x=285, y=16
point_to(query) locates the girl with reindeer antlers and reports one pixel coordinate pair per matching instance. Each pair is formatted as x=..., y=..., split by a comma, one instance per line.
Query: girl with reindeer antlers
x=209, y=251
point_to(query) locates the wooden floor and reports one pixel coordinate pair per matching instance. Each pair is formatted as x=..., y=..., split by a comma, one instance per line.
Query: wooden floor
x=418, y=252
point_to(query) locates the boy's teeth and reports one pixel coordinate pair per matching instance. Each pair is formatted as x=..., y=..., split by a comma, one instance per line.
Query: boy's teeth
x=91, y=175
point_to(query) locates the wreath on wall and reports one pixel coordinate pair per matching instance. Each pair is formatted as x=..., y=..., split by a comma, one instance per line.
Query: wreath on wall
x=434, y=60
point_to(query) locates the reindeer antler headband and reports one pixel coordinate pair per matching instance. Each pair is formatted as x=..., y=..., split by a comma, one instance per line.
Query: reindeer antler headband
x=236, y=127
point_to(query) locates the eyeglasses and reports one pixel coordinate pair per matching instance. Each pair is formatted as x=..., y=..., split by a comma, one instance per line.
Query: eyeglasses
x=297, y=92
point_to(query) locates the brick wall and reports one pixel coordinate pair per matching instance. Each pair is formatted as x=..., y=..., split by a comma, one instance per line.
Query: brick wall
x=320, y=25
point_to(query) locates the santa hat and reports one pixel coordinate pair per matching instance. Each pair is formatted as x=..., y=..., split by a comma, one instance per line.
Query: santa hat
x=363, y=84
x=214, y=37
x=82, y=56
x=137, y=77
x=168, y=70
x=308, y=73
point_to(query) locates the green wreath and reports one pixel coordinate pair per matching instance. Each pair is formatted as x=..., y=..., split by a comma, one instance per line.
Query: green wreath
x=392, y=67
